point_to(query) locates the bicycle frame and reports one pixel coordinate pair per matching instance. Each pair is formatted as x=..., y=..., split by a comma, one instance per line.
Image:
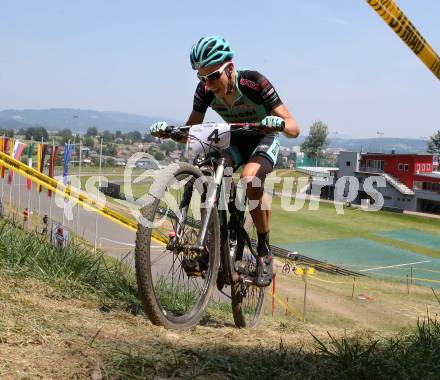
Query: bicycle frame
x=230, y=244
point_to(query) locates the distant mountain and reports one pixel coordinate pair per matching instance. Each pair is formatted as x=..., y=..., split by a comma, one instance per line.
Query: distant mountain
x=78, y=120
x=385, y=145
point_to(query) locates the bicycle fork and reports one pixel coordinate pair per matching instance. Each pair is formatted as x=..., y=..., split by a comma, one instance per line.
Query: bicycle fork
x=210, y=205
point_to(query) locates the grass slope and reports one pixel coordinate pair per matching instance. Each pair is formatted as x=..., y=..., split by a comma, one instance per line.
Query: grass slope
x=64, y=315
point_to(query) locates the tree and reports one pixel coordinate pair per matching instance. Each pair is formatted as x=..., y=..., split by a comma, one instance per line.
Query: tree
x=66, y=135
x=434, y=143
x=137, y=136
x=148, y=138
x=109, y=150
x=131, y=137
x=8, y=132
x=37, y=133
x=316, y=141
x=92, y=132
x=168, y=146
x=118, y=134
x=88, y=141
x=107, y=136
x=159, y=156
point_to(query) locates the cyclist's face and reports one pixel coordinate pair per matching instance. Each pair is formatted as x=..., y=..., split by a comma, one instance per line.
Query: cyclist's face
x=218, y=86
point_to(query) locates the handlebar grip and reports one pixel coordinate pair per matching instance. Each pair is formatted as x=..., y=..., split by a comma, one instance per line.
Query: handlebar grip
x=282, y=126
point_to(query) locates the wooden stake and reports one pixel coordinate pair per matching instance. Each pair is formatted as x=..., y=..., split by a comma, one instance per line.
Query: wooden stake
x=354, y=286
x=305, y=293
x=273, y=293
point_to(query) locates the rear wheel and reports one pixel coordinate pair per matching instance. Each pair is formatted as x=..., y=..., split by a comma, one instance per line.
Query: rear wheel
x=286, y=269
x=247, y=299
x=176, y=282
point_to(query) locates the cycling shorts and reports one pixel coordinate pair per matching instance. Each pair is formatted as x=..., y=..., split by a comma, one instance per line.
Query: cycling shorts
x=244, y=147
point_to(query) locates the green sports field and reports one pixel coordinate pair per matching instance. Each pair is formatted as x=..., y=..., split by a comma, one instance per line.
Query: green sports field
x=373, y=243
x=376, y=243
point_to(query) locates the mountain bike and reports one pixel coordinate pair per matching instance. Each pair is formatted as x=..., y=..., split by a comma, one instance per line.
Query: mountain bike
x=290, y=263
x=195, y=234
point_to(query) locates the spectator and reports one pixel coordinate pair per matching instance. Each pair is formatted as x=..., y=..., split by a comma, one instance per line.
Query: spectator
x=25, y=215
x=59, y=236
x=45, y=224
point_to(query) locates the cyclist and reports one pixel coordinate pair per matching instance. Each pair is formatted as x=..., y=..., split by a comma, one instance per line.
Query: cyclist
x=241, y=96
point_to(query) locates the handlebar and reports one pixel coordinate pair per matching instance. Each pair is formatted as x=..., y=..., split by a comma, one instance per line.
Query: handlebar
x=181, y=131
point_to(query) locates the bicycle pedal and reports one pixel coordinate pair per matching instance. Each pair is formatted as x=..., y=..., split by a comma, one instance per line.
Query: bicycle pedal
x=196, y=274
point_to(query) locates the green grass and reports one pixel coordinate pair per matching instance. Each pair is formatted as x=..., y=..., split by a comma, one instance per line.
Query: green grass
x=410, y=355
x=177, y=300
x=74, y=270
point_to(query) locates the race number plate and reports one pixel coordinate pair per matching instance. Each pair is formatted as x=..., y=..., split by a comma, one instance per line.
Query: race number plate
x=209, y=137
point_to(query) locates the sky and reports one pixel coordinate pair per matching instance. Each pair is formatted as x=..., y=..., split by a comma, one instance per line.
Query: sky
x=337, y=61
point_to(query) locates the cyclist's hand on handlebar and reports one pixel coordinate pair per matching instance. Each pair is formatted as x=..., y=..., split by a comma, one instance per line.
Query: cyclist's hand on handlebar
x=275, y=122
x=158, y=129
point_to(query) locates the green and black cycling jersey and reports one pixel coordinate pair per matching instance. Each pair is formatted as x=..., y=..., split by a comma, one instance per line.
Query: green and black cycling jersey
x=254, y=99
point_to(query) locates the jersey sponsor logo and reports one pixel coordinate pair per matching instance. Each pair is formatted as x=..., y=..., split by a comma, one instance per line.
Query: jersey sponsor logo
x=268, y=94
x=249, y=83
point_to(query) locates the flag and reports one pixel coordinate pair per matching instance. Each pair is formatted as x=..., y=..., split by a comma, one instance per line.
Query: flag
x=41, y=154
x=52, y=159
x=17, y=150
x=68, y=149
x=4, y=148
x=30, y=153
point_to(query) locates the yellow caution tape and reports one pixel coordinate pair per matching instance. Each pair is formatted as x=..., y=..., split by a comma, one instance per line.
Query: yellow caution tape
x=330, y=282
x=396, y=19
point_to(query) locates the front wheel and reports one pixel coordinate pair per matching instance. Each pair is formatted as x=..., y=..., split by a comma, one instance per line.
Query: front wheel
x=175, y=282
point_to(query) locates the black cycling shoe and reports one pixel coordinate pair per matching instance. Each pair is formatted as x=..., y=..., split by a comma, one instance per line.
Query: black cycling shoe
x=264, y=273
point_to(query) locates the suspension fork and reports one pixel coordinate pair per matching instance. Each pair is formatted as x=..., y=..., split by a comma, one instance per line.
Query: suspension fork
x=210, y=203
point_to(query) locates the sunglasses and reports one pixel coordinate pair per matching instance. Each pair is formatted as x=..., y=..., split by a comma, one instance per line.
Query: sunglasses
x=214, y=75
